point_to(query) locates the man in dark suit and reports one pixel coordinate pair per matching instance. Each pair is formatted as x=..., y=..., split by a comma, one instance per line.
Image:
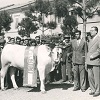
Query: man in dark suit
x=78, y=60
x=93, y=62
x=66, y=59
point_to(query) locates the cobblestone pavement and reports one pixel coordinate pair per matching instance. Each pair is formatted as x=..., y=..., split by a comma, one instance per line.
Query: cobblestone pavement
x=55, y=91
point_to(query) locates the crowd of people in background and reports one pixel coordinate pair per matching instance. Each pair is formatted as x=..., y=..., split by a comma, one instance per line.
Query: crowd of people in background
x=81, y=59
x=20, y=41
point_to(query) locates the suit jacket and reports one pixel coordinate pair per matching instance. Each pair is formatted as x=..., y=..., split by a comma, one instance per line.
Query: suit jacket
x=94, y=51
x=67, y=53
x=78, y=56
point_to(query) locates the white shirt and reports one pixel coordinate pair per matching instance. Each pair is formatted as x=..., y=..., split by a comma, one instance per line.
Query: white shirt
x=78, y=41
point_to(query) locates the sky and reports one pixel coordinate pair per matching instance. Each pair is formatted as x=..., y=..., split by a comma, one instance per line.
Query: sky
x=9, y=2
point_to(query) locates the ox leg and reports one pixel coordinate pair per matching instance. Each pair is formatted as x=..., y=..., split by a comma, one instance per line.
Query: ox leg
x=42, y=80
x=12, y=75
x=3, y=73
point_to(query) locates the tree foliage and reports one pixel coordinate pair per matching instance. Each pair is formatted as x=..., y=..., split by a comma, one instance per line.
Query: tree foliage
x=42, y=7
x=5, y=21
x=27, y=26
x=69, y=25
x=85, y=9
x=62, y=11
x=35, y=18
x=91, y=7
x=51, y=38
x=61, y=8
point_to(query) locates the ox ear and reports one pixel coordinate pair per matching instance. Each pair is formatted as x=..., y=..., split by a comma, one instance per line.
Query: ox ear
x=51, y=45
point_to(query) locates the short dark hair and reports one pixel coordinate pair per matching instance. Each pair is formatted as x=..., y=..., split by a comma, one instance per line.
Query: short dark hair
x=22, y=39
x=67, y=36
x=78, y=31
x=37, y=37
x=18, y=38
x=12, y=38
x=33, y=41
x=96, y=28
x=26, y=39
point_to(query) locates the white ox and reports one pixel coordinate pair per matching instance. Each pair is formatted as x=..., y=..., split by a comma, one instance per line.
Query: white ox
x=14, y=55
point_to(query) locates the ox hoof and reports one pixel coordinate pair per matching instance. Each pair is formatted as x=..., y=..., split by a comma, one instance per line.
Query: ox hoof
x=43, y=92
x=3, y=89
x=16, y=88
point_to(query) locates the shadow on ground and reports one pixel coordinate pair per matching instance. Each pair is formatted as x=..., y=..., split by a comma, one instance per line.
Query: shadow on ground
x=63, y=86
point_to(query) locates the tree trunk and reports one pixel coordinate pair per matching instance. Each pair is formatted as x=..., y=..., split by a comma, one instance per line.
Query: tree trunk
x=84, y=20
x=84, y=26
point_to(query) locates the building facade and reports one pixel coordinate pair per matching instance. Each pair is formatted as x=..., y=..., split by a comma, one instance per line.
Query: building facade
x=17, y=13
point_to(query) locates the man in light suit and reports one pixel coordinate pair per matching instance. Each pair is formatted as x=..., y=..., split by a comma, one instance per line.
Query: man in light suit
x=93, y=62
x=78, y=60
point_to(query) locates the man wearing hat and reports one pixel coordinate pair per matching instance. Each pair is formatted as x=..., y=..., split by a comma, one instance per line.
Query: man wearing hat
x=66, y=59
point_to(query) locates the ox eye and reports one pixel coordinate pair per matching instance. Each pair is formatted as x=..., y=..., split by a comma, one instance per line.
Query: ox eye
x=52, y=52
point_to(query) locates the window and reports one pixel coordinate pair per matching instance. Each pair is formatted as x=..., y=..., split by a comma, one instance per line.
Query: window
x=16, y=23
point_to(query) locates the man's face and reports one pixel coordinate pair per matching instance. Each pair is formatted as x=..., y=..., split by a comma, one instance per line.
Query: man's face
x=93, y=32
x=12, y=41
x=37, y=39
x=21, y=42
x=67, y=40
x=33, y=44
x=18, y=41
x=26, y=41
x=1, y=38
x=77, y=35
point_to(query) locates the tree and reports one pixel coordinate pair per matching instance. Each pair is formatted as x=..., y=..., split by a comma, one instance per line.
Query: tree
x=5, y=21
x=35, y=18
x=62, y=11
x=61, y=8
x=69, y=25
x=44, y=8
x=85, y=9
x=27, y=26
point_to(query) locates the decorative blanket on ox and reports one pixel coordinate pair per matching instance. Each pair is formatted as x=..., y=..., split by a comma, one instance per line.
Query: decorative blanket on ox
x=30, y=67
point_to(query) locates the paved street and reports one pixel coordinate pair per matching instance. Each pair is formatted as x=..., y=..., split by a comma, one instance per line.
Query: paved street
x=55, y=91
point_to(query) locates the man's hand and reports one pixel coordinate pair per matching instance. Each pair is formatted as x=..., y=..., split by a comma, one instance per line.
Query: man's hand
x=91, y=57
x=68, y=54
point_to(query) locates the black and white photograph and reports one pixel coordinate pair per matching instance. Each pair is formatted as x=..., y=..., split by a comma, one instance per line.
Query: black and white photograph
x=49, y=49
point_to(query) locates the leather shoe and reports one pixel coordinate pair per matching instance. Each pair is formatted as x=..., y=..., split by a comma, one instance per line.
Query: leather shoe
x=96, y=94
x=91, y=93
x=62, y=80
x=75, y=89
x=70, y=81
x=83, y=90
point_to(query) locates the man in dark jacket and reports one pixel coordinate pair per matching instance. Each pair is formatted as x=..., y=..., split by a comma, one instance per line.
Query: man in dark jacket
x=66, y=59
x=78, y=60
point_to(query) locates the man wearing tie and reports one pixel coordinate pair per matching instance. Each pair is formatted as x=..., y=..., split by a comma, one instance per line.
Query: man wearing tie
x=93, y=62
x=78, y=60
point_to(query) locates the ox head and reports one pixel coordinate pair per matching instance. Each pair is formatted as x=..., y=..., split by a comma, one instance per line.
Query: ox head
x=56, y=54
x=53, y=52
